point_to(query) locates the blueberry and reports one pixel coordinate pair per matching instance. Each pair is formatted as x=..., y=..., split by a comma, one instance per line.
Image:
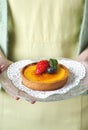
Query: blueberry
x=51, y=70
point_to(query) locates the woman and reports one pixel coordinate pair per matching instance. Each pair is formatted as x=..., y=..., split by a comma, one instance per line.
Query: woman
x=39, y=29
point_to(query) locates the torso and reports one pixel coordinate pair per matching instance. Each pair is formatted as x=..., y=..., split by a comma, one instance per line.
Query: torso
x=45, y=28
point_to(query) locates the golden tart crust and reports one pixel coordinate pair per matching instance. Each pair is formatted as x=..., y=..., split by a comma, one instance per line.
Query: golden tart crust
x=45, y=81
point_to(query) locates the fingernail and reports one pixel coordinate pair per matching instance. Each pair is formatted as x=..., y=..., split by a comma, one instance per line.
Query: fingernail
x=2, y=68
x=17, y=98
x=0, y=71
x=32, y=102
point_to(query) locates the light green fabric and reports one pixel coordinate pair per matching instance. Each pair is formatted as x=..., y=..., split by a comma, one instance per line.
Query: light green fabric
x=83, y=38
x=3, y=26
x=46, y=29
x=71, y=114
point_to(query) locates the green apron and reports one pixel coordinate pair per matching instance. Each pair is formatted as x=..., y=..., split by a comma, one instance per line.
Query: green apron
x=71, y=114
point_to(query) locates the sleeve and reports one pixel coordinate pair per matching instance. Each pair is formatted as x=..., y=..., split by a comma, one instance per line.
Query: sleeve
x=3, y=26
x=83, y=38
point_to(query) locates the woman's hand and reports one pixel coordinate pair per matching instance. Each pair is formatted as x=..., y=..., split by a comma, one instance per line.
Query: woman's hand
x=7, y=84
x=83, y=58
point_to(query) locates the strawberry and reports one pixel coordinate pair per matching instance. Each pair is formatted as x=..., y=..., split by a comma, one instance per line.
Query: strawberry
x=41, y=66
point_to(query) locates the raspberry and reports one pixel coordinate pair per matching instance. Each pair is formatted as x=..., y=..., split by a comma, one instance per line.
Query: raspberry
x=41, y=66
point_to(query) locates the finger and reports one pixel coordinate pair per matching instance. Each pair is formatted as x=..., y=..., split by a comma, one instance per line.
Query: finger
x=32, y=102
x=13, y=95
x=4, y=63
x=13, y=91
x=2, y=67
x=9, y=88
x=26, y=96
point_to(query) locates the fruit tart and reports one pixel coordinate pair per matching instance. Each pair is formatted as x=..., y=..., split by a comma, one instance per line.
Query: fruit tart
x=44, y=75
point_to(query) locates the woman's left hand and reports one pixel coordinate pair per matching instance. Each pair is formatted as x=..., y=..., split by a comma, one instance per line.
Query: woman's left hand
x=83, y=58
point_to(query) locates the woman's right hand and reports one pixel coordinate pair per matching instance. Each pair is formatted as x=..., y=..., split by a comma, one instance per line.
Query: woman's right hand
x=7, y=84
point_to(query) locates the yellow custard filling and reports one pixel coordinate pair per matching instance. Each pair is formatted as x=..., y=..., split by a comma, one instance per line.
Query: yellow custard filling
x=29, y=74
